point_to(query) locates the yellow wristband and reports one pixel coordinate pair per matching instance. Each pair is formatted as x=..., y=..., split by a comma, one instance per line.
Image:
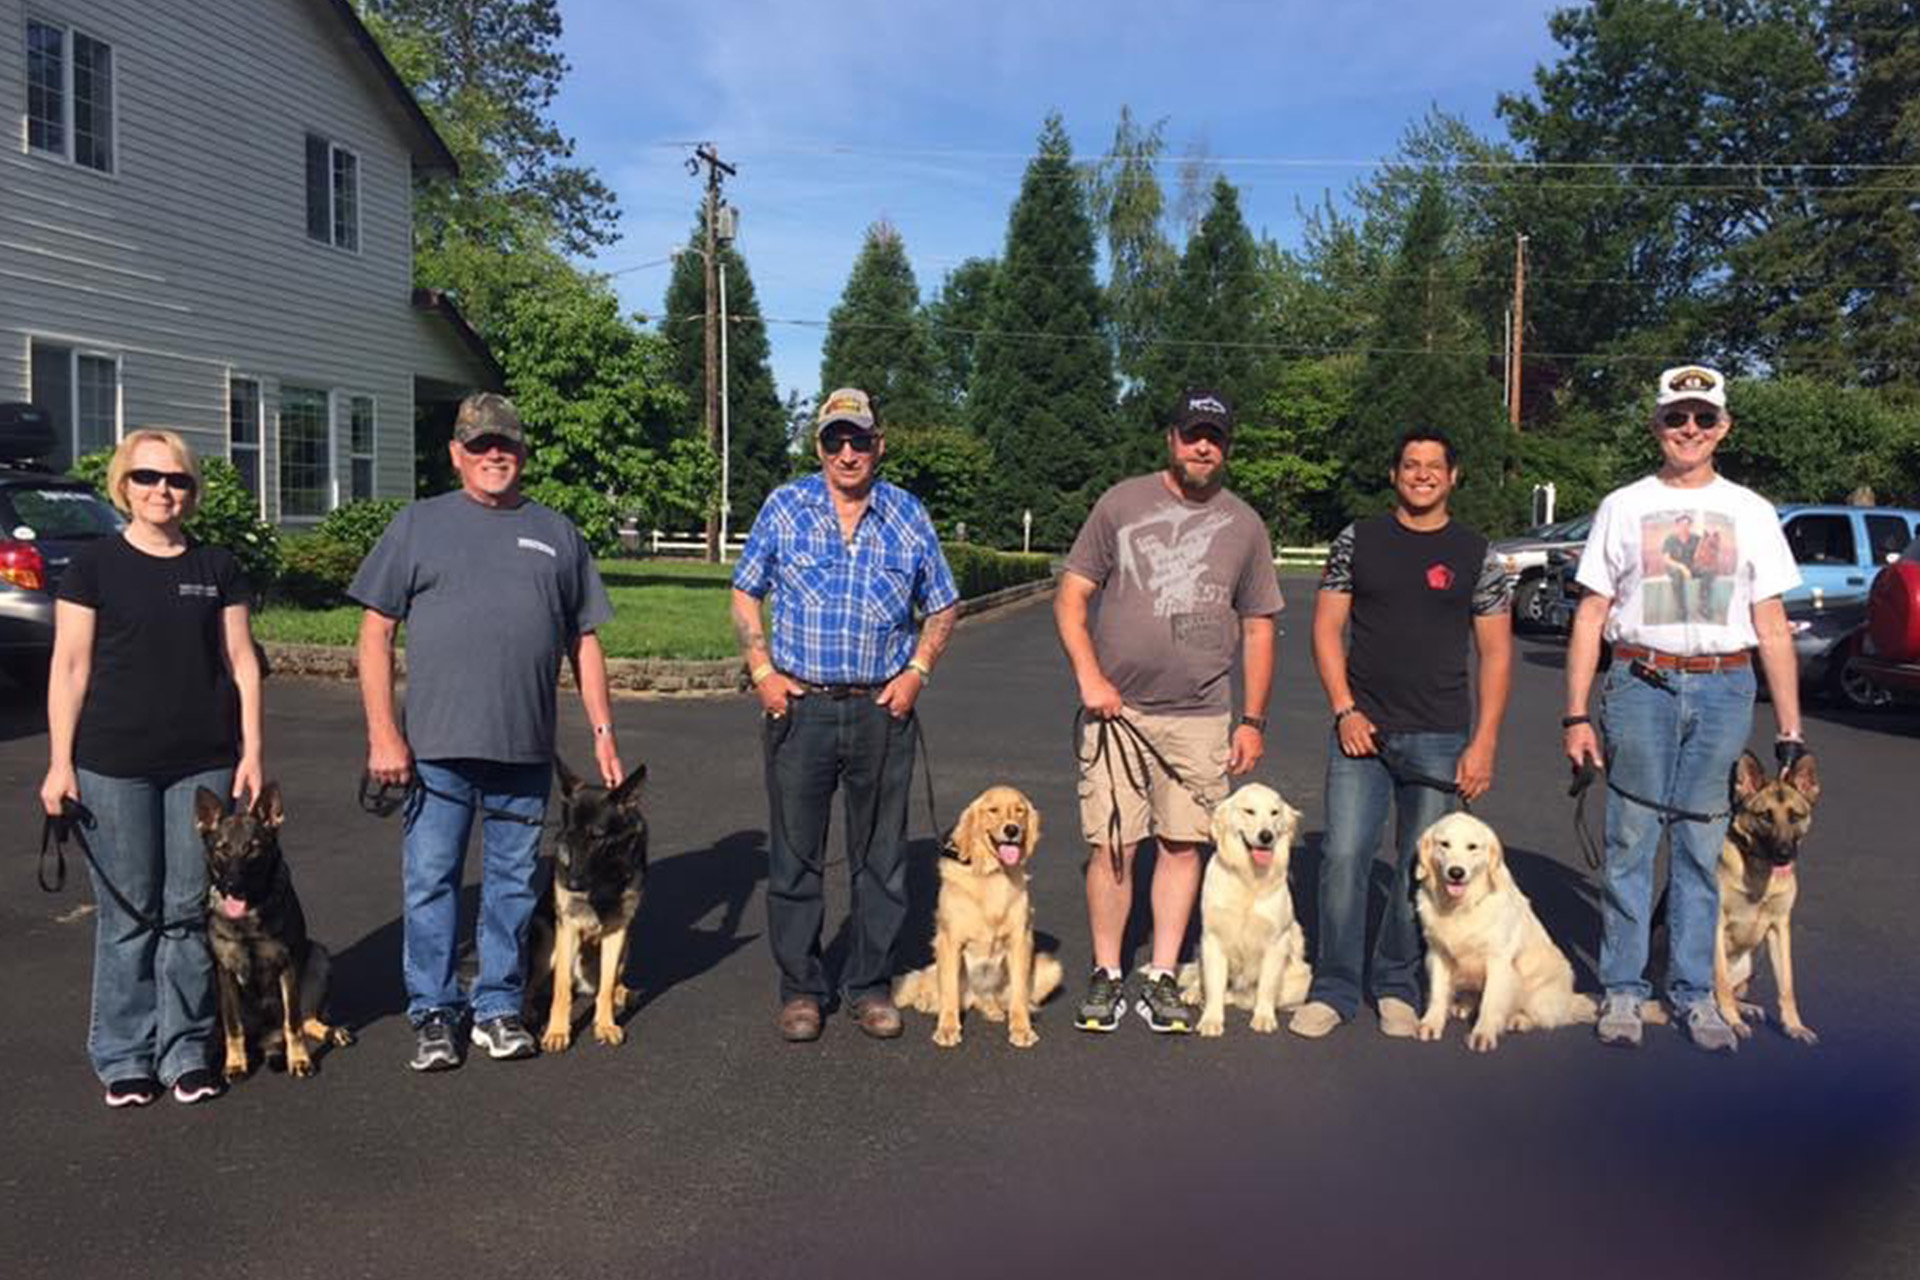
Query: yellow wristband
x=925, y=672
x=760, y=673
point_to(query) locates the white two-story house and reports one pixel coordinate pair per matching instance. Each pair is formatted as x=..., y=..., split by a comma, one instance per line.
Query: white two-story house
x=206, y=224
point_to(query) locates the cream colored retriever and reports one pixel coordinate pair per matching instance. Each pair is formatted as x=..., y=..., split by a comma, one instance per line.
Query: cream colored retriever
x=1252, y=951
x=983, y=956
x=1482, y=936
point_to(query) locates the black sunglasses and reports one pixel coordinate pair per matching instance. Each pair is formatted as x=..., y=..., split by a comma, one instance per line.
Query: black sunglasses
x=178, y=481
x=1674, y=419
x=834, y=441
x=481, y=445
x=1196, y=432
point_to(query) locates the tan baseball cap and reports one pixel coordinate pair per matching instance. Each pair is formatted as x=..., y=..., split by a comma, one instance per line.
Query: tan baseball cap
x=849, y=405
x=488, y=414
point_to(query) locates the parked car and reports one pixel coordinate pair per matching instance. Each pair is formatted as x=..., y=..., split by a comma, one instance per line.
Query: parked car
x=1825, y=639
x=1839, y=549
x=44, y=518
x=1525, y=559
x=1889, y=654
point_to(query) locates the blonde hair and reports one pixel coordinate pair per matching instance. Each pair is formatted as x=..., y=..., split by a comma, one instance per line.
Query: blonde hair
x=122, y=463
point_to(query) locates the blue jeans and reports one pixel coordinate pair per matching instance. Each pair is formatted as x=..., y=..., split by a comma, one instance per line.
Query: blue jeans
x=1358, y=789
x=435, y=854
x=1676, y=747
x=153, y=1002
x=855, y=746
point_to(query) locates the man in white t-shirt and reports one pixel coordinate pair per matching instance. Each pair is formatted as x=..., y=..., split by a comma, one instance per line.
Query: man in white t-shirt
x=1684, y=571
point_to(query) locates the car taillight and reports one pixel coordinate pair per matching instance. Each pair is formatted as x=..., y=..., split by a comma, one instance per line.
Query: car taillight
x=22, y=564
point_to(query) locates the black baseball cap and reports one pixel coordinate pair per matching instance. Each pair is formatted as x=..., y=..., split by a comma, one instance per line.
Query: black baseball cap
x=1203, y=405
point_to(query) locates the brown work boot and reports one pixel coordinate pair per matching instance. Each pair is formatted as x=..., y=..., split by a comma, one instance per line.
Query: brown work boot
x=800, y=1019
x=877, y=1017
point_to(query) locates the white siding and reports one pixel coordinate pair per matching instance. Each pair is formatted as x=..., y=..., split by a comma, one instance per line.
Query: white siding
x=191, y=260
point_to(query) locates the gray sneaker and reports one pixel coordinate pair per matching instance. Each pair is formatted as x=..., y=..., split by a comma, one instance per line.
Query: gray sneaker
x=505, y=1038
x=1162, y=1005
x=1620, y=1020
x=1708, y=1030
x=434, y=1048
x=1105, y=1003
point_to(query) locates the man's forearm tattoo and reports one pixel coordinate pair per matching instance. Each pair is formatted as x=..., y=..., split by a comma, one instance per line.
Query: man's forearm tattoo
x=936, y=631
x=747, y=632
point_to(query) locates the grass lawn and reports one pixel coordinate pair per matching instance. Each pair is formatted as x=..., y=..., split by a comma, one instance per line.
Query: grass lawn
x=661, y=609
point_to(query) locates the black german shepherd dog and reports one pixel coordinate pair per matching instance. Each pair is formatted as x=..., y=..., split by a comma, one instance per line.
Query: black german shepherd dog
x=581, y=926
x=271, y=977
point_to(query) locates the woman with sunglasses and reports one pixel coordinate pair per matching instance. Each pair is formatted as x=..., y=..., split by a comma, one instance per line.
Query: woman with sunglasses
x=154, y=692
x=1684, y=572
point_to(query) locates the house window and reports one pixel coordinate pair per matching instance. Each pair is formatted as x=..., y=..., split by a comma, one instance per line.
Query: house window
x=333, y=194
x=70, y=95
x=360, y=419
x=80, y=390
x=243, y=432
x=306, y=454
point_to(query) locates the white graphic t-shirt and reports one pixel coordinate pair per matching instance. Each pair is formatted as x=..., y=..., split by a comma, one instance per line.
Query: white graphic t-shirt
x=1684, y=567
x=1175, y=577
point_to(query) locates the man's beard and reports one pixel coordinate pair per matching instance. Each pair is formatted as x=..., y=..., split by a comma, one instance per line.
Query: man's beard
x=1192, y=484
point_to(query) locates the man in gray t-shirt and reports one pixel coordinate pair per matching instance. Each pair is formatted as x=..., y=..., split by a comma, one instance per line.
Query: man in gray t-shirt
x=1184, y=575
x=493, y=588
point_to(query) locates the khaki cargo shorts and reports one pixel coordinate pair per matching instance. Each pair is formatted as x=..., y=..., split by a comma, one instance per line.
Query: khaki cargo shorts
x=1197, y=747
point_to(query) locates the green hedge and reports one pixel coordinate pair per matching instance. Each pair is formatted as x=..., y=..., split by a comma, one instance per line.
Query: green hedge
x=979, y=570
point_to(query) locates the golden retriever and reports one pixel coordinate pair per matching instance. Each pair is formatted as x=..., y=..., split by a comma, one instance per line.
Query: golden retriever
x=983, y=954
x=1758, y=886
x=1482, y=936
x=1253, y=953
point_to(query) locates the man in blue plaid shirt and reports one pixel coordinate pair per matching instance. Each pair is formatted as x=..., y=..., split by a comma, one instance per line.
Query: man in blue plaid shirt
x=851, y=560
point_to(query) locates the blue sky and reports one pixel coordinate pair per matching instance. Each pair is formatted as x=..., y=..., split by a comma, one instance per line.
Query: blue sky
x=841, y=112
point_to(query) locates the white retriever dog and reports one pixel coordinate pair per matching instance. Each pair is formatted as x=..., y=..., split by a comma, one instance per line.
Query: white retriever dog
x=1482, y=936
x=1252, y=951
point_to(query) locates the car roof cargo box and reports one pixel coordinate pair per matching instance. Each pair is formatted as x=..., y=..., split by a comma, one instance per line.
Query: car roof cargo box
x=26, y=431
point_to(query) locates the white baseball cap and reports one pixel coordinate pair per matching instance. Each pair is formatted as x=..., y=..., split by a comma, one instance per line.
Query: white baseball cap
x=1692, y=382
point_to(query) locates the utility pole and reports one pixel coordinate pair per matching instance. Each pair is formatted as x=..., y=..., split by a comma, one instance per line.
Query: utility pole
x=1519, y=329
x=718, y=171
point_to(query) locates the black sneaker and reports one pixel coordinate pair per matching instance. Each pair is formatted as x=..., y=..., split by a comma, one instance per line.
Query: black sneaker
x=434, y=1047
x=1163, y=1008
x=1105, y=1005
x=198, y=1085
x=134, y=1091
x=505, y=1038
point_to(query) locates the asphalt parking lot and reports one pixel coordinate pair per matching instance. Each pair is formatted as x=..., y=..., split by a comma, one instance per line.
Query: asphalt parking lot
x=706, y=1147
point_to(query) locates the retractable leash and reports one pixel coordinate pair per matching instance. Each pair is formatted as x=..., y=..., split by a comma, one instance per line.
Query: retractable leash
x=70, y=826
x=1121, y=739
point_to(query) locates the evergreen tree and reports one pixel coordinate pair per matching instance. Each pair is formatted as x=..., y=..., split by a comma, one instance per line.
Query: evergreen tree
x=1213, y=312
x=1428, y=367
x=1043, y=389
x=757, y=424
x=877, y=338
x=955, y=318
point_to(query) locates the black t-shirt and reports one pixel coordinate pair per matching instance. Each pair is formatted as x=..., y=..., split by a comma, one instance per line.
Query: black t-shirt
x=1415, y=594
x=159, y=700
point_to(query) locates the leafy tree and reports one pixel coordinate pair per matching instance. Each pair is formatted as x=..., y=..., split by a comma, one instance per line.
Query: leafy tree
x=955, y=317
x=487, y=72
x=876, y=336
x=1129, y=209
x=950, y=469
x=757, y=422
x=1800, y=439
x=1286, y=458
x=1043, y=391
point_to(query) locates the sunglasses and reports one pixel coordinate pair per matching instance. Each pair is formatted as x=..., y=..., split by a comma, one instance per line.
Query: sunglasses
x=178, y=481
x=834, y=441
x=480, y=445
x=1202, y=431
x=1674, y=419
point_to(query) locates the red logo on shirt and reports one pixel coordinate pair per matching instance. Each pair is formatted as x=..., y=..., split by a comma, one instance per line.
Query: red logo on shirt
x=1439, y=577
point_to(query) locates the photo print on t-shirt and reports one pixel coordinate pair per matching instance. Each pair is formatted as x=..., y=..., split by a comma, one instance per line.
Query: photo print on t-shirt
x=1687, y=558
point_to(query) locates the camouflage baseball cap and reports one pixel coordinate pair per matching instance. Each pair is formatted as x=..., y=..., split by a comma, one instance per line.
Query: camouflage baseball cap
x=488, y=414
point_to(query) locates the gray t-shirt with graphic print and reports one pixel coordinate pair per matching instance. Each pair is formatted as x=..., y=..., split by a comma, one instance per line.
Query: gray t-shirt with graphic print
x=492, y=599
x=1175, y=578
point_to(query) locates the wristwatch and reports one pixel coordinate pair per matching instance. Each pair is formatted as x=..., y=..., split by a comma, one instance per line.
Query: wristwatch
x=1254, y=722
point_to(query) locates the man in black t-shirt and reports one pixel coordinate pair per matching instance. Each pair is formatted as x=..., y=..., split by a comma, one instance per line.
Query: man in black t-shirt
x=1415, y=587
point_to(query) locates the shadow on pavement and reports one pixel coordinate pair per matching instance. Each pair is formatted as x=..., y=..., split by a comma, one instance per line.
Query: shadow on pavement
x=669, y=946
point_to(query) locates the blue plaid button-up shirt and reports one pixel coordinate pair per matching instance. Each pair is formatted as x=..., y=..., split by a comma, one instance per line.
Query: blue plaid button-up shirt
x=843, y=612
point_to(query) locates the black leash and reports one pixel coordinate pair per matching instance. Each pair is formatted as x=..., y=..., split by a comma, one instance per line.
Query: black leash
x=70, y=826
x=1406, y=777
x=1122, y=739
x=1582, y=784
x=943, y=837
x=384, y=799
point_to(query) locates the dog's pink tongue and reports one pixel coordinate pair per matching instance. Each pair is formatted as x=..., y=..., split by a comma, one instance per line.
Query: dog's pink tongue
x=1009, y=853
x=1783, y=872
x=1261, y=857
x=232, y=908
x=1455, y=889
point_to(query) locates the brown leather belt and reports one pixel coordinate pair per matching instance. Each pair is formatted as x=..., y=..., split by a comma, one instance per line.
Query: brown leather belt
x=837, y=692
x=1696, y=663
